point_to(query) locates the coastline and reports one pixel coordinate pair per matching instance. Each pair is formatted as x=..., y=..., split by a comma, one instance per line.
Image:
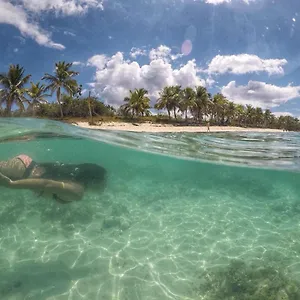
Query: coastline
x=154, y=128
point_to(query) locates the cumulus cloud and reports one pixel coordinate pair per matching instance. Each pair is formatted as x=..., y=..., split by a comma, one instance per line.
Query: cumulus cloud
x=245, y=63
x=135, y=52
x=64, y=7
x=163, y=52
x=115, y=76
x=18, y=13
x=16, y=16
x=260, y=94
x=217, y=2
x=282, y=113
x=78, y=63
x=98, y=61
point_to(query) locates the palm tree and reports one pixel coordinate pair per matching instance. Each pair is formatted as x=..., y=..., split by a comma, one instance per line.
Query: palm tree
x=12, y=88
x=201, y=105
x=220, y=104
x=137, y=103
x=240, y=114
x=176, y=98
x=169, y=99
x=259, y=117
x=164, y=101
x=37, y=93
x=268, y=118
x=62, y=80
x=250, y=114
x=230, y=112
x=187, y=101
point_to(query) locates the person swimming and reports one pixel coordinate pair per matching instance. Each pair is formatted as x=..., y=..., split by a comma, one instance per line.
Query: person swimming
x=66, y=182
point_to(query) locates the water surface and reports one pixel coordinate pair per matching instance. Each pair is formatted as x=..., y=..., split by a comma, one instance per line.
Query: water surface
x=183, y=216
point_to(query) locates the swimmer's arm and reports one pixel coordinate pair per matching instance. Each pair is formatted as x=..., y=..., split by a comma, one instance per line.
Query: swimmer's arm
x=66, y=190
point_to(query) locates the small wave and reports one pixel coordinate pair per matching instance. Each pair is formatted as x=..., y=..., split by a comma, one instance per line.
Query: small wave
x=270, y=150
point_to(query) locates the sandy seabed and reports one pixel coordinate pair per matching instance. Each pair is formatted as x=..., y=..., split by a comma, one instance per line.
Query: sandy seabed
x=150, y=127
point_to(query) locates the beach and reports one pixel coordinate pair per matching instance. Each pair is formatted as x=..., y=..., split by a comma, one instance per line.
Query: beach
x=155, y=127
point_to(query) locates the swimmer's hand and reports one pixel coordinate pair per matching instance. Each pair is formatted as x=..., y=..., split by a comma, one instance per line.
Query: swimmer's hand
x=4, y=180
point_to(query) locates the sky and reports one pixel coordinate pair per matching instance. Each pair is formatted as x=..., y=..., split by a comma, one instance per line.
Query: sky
x=247, y=50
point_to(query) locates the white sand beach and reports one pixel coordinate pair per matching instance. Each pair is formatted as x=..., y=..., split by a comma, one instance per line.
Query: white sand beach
x=153, y=127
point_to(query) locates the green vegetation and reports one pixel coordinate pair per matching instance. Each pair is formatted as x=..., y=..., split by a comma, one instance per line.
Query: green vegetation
x=12, y=89
x=186, y=106
x=241, y=281
x=137, y=104
x=62, y=79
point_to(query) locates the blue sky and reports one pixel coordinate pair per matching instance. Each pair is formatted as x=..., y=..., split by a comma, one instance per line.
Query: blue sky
x=246, y=49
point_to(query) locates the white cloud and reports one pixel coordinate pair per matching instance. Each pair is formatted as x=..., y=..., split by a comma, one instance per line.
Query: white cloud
x=282, y=113
x=78, y=63
x=115, y=76
x=19, y=13
x=16, y=16
x=217, y=2
x=135, y=52
x=64, y=7
x=97, y=61
x=163, y=52
x=245, y=63
x=69, y=33
x=210, y=82
x=260, y=94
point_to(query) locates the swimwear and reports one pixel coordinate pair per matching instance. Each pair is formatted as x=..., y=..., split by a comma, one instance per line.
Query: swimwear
x=17, y=167
x=28, y=163
x=26, y=160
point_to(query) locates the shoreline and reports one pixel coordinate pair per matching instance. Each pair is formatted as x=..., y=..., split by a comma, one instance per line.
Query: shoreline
x=166, y=128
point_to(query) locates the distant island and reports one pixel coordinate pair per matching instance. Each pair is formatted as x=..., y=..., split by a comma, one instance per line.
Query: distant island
x=177, y=107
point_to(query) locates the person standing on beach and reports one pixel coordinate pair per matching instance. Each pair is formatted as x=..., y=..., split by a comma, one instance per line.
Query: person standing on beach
x=208, y=129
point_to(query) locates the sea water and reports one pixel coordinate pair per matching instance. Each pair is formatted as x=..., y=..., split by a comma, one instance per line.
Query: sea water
x=182, y=216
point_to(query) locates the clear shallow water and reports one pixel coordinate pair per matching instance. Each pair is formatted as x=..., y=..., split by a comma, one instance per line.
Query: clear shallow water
x=166, y=227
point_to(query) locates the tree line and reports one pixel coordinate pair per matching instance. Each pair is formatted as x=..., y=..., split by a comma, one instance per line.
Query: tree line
x=181, y=104
x=199, y=105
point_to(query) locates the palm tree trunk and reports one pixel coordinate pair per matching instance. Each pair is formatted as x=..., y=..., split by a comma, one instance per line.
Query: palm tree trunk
x=90, y=110
x=199, y=115
x=58, y=100
x=8, y=108
x=175, y=112
x=169, y=113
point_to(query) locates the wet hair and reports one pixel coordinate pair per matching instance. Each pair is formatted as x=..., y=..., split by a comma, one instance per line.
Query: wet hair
x=91, y=174
x=86, y=174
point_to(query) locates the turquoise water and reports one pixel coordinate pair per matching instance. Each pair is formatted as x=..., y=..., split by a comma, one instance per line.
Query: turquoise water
x=183, y=216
